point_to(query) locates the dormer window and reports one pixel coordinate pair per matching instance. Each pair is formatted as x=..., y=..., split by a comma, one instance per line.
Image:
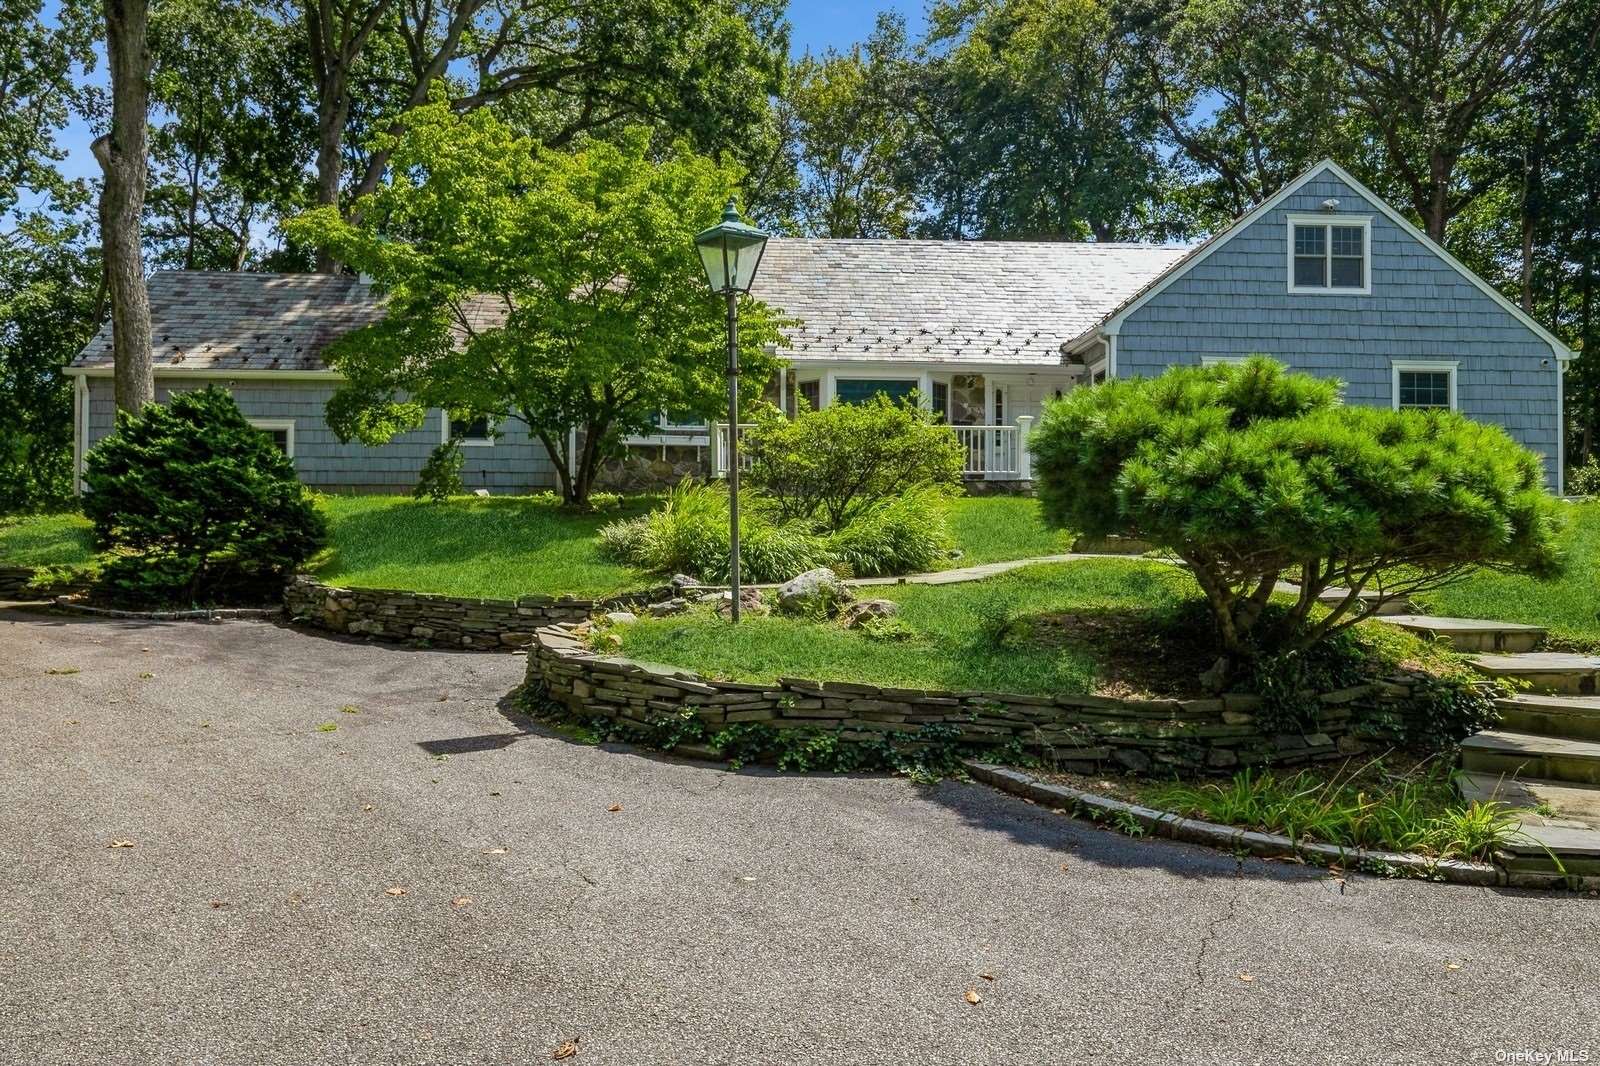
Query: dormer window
x=1329, y=254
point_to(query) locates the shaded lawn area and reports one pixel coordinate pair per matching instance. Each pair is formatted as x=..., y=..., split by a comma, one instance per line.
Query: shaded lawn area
x=46, y=540
x=497, y=547
x=990, y=529
x=1569, y=607
x=956, y=639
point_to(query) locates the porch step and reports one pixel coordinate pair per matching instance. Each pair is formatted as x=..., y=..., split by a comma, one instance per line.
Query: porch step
x=1556, y=672
x=1576, y=717
x=1558, y=759
x=1471, y=634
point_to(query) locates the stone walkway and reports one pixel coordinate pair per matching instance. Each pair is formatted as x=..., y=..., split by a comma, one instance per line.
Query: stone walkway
x=950, y=577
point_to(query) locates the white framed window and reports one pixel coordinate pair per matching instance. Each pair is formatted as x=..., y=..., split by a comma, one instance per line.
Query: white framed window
x=810, y=390
x=472, y=433
x=281, y=430
x=1330, y=254
x=1424, y=384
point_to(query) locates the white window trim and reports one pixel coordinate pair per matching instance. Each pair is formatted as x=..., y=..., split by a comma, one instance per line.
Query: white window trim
x=1325, y=220
x=1426, y=366
x=923, y=379
x=466, y=442
x=286, y=424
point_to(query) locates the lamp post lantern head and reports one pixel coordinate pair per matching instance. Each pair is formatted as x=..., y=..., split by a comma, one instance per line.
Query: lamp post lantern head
x=730, y=251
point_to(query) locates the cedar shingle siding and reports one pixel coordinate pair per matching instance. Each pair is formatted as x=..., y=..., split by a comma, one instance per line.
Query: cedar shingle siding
x=1235, y=302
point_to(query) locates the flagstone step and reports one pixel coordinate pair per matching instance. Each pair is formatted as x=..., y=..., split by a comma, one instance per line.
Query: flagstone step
x=1577, y=717
x=1557, y=759
x=1551, y=672
x=1558, y=823
x=1471, y=634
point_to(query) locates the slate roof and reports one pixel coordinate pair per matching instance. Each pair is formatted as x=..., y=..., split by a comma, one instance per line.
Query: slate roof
x=1000, y=302
x=220, y=320
x=990, y=302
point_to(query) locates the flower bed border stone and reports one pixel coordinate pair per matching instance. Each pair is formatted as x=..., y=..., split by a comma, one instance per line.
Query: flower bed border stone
x=1265, y=845
x=17, y=582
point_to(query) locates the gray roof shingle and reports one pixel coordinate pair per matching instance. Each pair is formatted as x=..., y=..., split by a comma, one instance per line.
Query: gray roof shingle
x=1001, y=302
x=991, y=302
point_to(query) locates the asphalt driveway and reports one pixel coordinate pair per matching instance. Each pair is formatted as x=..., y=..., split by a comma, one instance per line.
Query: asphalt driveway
x=716, y=917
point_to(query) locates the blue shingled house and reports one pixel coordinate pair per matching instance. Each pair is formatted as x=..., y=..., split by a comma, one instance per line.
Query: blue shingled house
x=1323, y=275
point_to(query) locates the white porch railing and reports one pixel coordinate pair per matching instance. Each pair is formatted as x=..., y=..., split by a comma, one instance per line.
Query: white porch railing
x=719, y=448
x=998, y=453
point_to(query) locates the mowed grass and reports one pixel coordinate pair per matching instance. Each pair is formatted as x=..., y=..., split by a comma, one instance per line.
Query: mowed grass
x=989, y=529
x=1569, y=607
x=953, y=640
x=497, y=547
x=46, y=540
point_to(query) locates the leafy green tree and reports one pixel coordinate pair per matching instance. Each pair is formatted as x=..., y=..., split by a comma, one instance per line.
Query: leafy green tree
x=701, y=70
x=848, y=136
x=836, y=464
x=197, y=505
x=556, y=289
x=1429, y=80
x=1244, y=103
x=49, y=307
x=1248, y=472
x=1059, y=130
x=231, y=134
x=42, y=85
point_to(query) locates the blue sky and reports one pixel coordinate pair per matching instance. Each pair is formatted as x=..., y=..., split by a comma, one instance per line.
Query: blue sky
x=817, y=24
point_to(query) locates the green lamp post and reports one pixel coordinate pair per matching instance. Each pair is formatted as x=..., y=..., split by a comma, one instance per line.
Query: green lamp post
x=731, y=251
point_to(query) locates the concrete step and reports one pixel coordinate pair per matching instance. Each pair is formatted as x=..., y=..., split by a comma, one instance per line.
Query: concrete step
x=1508, y=754
x=1577, y=717
x=1470, y=634
x=1552, y=672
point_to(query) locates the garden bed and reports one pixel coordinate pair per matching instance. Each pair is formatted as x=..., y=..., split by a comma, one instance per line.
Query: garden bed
x=1113, y=627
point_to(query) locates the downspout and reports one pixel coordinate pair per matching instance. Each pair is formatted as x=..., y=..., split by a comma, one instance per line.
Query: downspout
x=80, y=430
x=1561, y=427
x=1109, y=334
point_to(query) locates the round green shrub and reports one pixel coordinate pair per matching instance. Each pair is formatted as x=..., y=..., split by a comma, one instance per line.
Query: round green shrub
x=195, y=505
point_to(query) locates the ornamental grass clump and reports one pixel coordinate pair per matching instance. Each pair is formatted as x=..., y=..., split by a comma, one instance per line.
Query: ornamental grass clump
x=1249, y=473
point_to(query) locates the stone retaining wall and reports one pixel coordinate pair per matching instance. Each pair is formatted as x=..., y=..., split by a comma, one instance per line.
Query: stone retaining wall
x=1075, y=732
x=452, y=621
x=15, y=582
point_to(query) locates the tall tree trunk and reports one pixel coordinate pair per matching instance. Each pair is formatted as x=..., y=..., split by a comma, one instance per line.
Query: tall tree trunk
x=121, y=155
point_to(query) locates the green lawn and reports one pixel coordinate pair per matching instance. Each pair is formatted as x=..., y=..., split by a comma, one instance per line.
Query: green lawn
x=989, y=529
x=1569, y=606
x=498, y=547
x=955, y=633
x=45, y=540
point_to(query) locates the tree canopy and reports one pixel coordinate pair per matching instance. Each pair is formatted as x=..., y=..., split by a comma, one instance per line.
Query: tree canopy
x=559, y=289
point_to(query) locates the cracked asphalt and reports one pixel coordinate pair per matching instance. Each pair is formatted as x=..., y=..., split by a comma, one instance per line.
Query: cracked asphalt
x=716, y=918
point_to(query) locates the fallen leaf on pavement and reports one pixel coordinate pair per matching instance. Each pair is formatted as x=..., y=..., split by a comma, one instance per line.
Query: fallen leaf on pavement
x=146, y=676
x=973, y=997
x=614, y=808
x=566, y=1049
x=497, y=851
x=1063, y=867
x=349, y=708
x=368, y=807
x=395, y=891
x=1452, y=966
x=462, y=901
x=217, y=904
x=120, y=844
x=62, y=670
x=986, y=975
x=1246, y=977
